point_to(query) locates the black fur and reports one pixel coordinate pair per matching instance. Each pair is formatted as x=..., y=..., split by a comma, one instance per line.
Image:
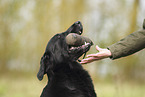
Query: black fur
x=66, y=77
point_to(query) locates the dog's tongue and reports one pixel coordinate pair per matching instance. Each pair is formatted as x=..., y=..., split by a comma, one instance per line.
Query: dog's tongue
x=76, y=40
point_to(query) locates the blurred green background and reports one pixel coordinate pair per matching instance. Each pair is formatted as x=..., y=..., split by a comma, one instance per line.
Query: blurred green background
x=27, y=25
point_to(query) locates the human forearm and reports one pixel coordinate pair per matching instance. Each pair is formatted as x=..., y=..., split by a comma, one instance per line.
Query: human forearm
x=129, y=45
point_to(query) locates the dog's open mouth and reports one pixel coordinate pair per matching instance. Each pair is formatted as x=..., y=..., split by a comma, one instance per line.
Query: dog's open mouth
x=78, y=45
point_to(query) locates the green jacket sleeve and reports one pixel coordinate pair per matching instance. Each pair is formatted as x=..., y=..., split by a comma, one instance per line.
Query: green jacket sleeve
x=129, y=45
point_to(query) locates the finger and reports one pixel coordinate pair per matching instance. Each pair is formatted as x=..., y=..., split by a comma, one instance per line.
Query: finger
x=88, y=60
x=85, y=62
x=91, y=59
x=93, y=55
x=98, y=48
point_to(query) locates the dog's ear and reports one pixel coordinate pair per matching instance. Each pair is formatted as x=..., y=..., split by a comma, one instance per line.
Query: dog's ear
x=44, y=66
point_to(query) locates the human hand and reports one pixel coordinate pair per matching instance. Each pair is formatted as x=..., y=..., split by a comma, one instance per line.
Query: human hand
x=103, y=53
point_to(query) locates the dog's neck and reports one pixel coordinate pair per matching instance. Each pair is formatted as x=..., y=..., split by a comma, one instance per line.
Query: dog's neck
x=66, y=67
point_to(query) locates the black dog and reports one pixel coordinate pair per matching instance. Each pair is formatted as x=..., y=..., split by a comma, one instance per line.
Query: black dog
x=66, y=77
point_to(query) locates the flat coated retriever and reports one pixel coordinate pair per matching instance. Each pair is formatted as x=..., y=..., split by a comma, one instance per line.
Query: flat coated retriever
x=66, y=77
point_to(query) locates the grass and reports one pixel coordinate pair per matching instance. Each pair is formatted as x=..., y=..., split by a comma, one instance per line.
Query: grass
x=20, y=86
x=121, y=90
x=29, y=86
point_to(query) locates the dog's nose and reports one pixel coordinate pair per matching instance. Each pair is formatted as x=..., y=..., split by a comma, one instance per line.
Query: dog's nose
x=78, y=22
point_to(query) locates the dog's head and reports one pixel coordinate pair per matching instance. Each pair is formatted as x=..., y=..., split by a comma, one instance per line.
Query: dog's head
x=58, y=51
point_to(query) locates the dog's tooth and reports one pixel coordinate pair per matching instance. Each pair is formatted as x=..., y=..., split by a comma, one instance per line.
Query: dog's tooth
x=87, y=43
x=71, y=48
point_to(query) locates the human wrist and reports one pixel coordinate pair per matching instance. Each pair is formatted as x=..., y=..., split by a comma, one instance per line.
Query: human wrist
x=109, y=54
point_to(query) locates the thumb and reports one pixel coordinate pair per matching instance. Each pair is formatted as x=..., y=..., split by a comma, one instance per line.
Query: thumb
x=98, y=48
